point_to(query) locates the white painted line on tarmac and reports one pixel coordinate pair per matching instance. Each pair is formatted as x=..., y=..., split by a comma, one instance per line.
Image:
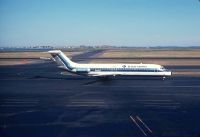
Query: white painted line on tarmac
x=138, y=126
x=145, y=125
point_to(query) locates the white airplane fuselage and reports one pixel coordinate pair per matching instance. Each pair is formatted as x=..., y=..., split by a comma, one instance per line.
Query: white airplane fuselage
x=103, y=70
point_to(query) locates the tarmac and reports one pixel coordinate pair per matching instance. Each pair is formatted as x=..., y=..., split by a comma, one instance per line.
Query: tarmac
x=36, y=101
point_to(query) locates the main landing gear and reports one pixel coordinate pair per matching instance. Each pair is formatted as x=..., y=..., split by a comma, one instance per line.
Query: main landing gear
x=164, y=78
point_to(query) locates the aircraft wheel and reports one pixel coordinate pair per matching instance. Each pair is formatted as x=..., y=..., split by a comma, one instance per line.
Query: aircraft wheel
x=164, y=78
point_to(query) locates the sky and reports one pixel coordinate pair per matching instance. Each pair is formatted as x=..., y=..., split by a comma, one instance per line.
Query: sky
x=99, y=22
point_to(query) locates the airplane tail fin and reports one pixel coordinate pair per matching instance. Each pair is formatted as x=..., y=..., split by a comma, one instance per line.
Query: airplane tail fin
x=62, y=60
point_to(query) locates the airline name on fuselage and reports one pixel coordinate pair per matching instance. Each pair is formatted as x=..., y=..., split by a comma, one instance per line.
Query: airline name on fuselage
x=134, y=66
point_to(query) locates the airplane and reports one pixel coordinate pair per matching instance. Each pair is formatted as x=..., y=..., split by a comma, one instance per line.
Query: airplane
x=107, y=70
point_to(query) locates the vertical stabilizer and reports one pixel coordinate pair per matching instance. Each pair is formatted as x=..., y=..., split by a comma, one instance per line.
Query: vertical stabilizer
x=62, y=60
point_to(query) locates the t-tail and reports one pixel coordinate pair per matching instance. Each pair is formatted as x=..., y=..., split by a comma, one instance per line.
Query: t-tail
x=63, y=61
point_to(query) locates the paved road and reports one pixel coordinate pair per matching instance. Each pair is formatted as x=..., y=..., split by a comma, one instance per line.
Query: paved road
x=36, y=101
x=87, y=56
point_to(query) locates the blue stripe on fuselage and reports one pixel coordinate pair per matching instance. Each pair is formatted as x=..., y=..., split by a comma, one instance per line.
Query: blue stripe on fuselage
x=126, y=70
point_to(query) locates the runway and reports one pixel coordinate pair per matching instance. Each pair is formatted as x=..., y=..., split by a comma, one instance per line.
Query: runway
x=36, y=101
